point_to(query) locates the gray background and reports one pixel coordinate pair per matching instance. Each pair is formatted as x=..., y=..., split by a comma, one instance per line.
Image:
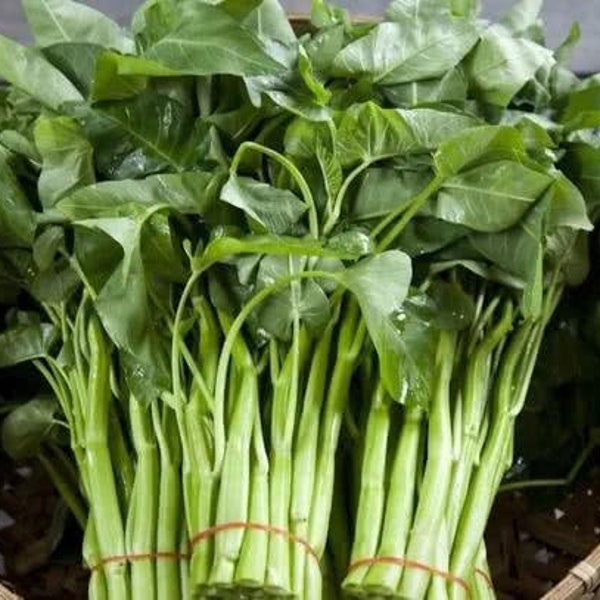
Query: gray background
x=558, y=15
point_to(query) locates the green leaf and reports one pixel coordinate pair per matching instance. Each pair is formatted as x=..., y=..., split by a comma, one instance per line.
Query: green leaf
x=424, y=235
x=522, y=15
x=269, y=21
x=430, y=127
x=568, y=251
x=133, y=138
x=583, y=109
x=325, y=14
x=28, y=70
x=380, y=285
x=77, y=62
x=489, y=198
x=239, y=9
x=125, y=308
x=275, y=209
x=308, y=303
x=582, y=165
x=97, y=253
x=56, y=284
x=565, y=50
x=367, y=133
x=454, y=308
x=452, y=87
x=477, y=146
x=205, y=40
x=27, y=427
x=317, y=87
x=47, y=245
x=25, y=342
x=400, y=10
x=17, y=219
x=113, y=80
x=19, y=144
x=67, y=158
x=502, y=64
x=567, y=206
x=520, y=252
x=408, y=51
x=195, y=193
x=383, y=190
x=324, y=46
x=59, y=21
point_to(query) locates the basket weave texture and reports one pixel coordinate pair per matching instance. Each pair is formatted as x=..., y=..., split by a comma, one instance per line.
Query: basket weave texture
x=583, y=580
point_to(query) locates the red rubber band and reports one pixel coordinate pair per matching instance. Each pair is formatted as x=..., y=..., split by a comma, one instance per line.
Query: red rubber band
x=411, y=564
x=119, y=558
x=213, y=531
x=486, y=578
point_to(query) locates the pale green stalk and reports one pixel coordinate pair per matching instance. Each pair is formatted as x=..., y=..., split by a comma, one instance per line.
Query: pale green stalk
x=400, y=503
x=252, y=564
x=371, y=503
x=434, y=490
x=305, y=455
x=169, y=517
x=143, y=512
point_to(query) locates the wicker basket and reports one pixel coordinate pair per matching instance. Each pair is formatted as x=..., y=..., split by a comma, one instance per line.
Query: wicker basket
x=6, y=594
x=583, y=581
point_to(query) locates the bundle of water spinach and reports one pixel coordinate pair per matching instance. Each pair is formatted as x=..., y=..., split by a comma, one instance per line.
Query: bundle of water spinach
x=224, y=244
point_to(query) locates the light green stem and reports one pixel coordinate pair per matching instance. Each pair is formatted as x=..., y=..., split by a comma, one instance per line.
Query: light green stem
x=372, y=489
x=144, y=503
x=169, y=516
x=433, y=494
x=400, y=504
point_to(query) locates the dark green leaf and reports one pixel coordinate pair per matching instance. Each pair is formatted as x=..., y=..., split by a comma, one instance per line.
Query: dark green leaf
x=17, y=220
x=367, y=133
x=24, y=342
x=380, y=284
x=27, y=427
x=567, y=206
x=424, y=235
x=383, y=190
x=77, y=62
x=307, y=302
x=276, y=210
x=489, y=198
x=47, y=245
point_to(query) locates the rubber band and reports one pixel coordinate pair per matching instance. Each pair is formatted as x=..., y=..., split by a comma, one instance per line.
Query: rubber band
x=486, y=578
x=217, y=529
x=139, y=557
x=411, y=564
